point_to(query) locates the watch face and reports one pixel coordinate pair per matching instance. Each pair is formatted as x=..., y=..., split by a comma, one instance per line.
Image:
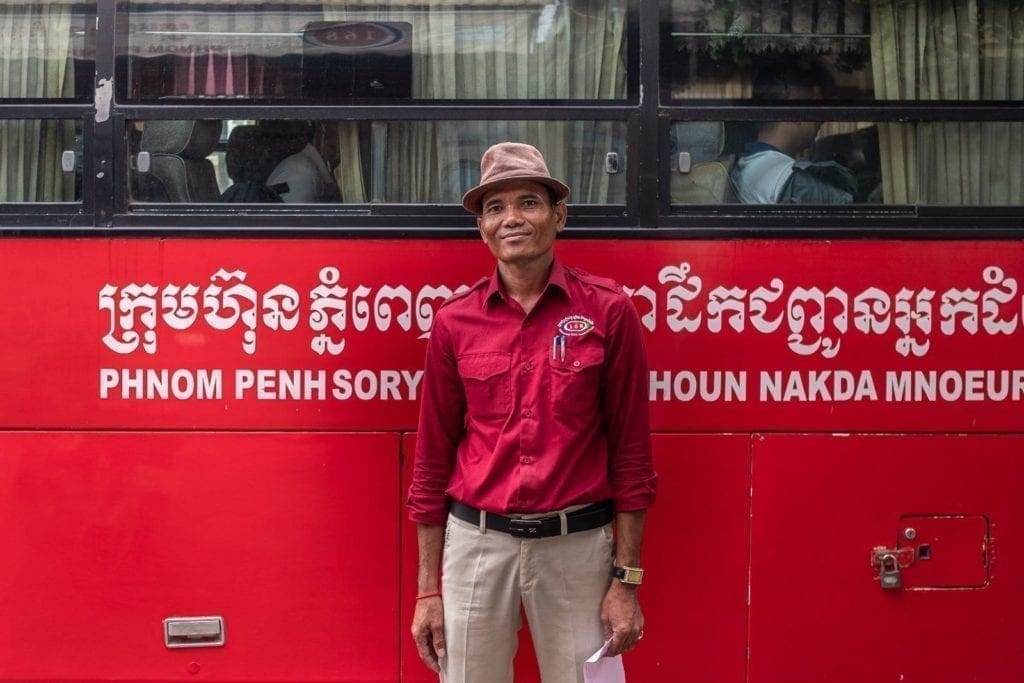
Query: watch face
x=632, y=575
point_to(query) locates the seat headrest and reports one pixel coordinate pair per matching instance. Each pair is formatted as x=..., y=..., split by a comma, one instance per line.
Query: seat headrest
x=288, y=137
x=250, y=156
x=704, y=140
x=186, y=139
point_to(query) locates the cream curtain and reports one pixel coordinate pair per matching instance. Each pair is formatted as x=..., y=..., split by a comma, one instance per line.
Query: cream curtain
x=566, y=50
x=950, y=50
x=35, y=63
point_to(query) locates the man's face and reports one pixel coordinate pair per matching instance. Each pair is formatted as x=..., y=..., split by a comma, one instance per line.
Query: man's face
x=519, y=223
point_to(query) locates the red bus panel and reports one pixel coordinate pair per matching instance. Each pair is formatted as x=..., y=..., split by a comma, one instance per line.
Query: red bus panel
x=291, y=538
x=314, y=334
x=822, y=503
x=226, y=418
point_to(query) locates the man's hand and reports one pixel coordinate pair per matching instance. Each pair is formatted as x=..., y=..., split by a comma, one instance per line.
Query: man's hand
x=620, y=612
x=428, y=630
x=623, y=621
x=428, y=620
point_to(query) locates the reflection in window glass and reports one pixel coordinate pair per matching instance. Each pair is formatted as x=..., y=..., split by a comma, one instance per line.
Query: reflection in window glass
x=807, y=162
x=43, y=50
x=41, y=160
x=881, y=49
x=716, y=48
x=400, y=162
x=344, y=49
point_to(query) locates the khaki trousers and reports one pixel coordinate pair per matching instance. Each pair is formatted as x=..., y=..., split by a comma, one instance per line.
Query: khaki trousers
x=560, y=582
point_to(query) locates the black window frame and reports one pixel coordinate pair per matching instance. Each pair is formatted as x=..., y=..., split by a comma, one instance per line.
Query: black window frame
x=648, y=116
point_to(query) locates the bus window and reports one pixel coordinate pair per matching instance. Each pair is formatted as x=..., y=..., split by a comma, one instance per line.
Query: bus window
x=882, y=50
x=41, y=160
x=344, y=50
x=359, y=162
x=842, y=162
x=44, y=50
x=775, y=162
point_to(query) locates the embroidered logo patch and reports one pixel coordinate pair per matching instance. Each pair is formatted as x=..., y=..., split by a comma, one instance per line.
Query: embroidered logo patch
x=575, y=326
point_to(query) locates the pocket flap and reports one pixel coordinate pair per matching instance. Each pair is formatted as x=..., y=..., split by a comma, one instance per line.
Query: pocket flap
x=579, y=361
x=482, y=366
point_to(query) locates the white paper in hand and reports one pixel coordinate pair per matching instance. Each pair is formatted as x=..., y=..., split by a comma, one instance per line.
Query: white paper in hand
x=601, y=669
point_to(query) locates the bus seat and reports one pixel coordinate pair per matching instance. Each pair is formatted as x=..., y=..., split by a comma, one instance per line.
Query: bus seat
x=707, y=179
x=178, y=158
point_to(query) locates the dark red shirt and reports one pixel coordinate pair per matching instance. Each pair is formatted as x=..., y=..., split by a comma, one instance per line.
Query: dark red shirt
x=534, y=413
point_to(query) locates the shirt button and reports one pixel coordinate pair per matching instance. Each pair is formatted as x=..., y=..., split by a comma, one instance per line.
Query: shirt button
x=575, y=363
x=526, y=461
x=529, y=366
x=527, y=413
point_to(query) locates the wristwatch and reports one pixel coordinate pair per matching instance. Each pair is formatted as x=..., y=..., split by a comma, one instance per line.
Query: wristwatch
x=633, y=576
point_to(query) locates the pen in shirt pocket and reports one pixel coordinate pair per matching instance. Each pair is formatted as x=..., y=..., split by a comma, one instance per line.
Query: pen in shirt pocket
x=558, y=347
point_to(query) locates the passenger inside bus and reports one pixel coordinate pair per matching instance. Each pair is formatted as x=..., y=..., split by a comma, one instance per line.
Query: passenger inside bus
x=773, y=169
x=306, y=171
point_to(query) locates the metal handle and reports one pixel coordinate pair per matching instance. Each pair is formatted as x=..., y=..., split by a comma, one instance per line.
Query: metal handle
x=194, y=632
x=683, y=162
x=611, y=163
x=67, y=161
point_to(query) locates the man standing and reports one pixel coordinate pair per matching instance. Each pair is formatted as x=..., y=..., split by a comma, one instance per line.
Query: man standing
x=533, y=436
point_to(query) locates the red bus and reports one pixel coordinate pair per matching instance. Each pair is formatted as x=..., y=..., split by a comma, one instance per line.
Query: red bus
x=226, y=228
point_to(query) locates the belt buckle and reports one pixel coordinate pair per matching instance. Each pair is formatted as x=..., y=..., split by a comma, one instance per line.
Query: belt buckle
x=525, y=528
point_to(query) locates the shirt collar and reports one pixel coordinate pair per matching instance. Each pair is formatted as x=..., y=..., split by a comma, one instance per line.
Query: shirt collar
x=556, y=278
x=756, y=147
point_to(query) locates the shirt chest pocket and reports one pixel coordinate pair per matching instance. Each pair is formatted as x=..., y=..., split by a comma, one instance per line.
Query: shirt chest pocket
x=486, y=379
x=576, y=380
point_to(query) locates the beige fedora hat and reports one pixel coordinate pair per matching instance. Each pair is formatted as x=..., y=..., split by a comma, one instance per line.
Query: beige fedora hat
x=511, y=161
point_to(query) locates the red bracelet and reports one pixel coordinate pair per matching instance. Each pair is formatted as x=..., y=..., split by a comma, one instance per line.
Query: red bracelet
x=428, y=595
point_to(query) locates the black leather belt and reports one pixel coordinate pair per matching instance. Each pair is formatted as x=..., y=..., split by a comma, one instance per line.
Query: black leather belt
x=584, y=519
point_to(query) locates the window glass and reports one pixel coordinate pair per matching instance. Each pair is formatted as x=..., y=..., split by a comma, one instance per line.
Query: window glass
x=351, y=49
x=882, y=49
x=44, y=53
x=398, y=162
x=809, y=162
x=41, y=160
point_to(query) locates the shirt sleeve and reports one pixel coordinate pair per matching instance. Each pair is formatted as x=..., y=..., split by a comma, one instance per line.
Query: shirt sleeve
x=625, y=407
x=441, y=424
